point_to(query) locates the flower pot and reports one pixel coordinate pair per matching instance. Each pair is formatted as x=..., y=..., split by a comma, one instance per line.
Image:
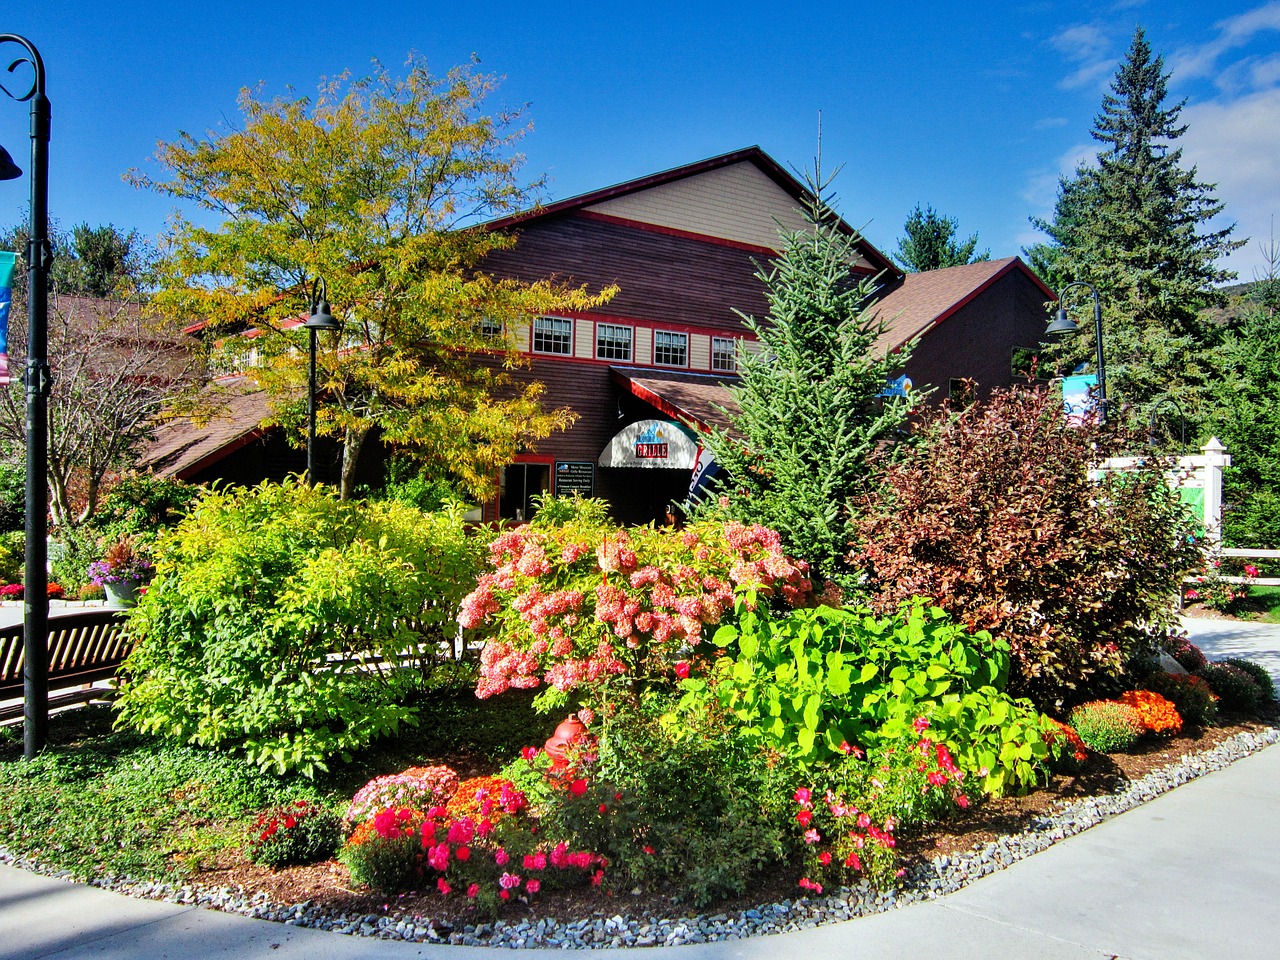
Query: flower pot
x=123, y=593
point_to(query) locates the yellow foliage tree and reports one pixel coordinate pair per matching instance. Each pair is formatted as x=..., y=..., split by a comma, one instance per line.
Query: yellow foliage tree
x=378, y=186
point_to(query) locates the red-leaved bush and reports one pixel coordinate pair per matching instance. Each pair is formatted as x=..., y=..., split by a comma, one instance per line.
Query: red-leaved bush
x=999, y=515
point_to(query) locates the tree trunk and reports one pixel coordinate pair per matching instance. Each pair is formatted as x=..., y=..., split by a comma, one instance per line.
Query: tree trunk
x=352, y=441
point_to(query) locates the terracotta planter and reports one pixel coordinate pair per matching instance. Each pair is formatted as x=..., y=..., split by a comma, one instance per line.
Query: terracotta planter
x=569, y=732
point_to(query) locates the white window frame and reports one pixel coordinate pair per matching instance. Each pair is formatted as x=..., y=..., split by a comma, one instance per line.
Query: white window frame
x=554, y=335
x=657, y=334
x=732, y=344
x=614, y=328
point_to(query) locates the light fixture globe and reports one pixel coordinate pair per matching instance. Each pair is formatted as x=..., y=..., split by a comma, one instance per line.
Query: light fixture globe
x=1062, y=325
x=321, y=318
x=8, y=169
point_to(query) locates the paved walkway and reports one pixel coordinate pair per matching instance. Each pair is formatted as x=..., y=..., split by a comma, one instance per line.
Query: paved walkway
x=1193, y=874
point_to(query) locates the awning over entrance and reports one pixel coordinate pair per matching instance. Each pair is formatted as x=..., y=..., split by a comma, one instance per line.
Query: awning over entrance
x=685, y=397
x=651, y=445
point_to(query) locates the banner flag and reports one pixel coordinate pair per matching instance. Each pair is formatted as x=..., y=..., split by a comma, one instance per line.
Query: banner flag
x=1079, y=398
x=7, y=261
x=705, y=469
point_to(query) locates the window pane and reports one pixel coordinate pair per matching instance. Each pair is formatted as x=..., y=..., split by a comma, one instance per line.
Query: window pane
x=613, y=342
x=552, y=335
x=670, y=349
x=724, y=354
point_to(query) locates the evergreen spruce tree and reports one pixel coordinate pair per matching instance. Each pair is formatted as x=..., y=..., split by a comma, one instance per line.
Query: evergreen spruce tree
x=1136, y=227
x=811, y=410
x=930, y=243
x=1248, y=417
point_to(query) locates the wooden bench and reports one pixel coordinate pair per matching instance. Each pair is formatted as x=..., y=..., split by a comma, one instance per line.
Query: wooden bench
x=85, y=648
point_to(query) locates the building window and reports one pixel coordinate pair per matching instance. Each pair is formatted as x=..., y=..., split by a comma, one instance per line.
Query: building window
x=553, y=335
x=518, y=488
x=670, y=349
x=613, y=342
x=962, y=392
x=724, y=354
x=489, y=327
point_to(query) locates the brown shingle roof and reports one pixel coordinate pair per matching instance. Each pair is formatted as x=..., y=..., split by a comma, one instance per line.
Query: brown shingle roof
x=689, y=397
x=182, y=448
x=923, y=300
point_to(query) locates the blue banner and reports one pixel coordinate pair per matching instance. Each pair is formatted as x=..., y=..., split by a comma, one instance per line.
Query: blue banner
x=7, y=261
x=1079, y=397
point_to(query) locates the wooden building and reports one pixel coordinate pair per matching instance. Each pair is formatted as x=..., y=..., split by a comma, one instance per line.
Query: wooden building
x=684, y=247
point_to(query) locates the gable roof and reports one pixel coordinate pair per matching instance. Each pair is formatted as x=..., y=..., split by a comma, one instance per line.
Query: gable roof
x=182, y=448
x=924, y=300
x=740, y=170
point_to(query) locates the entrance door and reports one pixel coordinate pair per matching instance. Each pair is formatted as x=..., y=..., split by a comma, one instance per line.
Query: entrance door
x=520, y=483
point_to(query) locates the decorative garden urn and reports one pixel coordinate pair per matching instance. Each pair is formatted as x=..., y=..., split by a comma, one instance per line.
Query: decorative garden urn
x=570, y=731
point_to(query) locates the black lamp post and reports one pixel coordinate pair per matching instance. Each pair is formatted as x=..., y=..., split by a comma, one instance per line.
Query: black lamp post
x=35, y=623
x=1063, y=325
x=320, y=319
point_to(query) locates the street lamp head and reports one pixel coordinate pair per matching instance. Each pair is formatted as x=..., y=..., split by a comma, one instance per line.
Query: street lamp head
x=321, y=318
x=1062, y=325
x=8, y=169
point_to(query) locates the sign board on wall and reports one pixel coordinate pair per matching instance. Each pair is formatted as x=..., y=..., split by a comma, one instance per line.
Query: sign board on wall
x=575, y=476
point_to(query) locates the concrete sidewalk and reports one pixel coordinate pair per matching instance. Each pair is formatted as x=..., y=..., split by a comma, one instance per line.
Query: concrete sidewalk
x=1192, y=874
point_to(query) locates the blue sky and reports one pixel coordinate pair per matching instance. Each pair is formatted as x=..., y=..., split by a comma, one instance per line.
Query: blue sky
x=974, y=108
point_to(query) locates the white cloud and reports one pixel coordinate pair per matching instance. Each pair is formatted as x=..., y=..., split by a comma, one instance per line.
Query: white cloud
x=1087, y=46
x=1041, y=190
x=1236, y=144
x=1201, y=60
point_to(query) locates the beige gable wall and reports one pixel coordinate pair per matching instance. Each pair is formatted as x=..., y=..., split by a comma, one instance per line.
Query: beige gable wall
x=737, y=202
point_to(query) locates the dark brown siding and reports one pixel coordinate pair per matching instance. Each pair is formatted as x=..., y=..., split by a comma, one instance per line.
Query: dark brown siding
x=663, y=278
x=977, y=341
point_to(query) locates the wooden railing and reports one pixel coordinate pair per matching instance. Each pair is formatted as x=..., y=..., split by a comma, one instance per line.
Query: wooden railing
x=85, y=648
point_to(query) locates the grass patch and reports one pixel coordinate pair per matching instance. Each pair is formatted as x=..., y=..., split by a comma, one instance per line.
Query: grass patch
x=100, y=800
x=1264, y=603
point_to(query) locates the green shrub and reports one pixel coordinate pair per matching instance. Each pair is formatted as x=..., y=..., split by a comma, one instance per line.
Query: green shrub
x=808, y=682
x=13, y=552
x=1236, y=688
x=1259, y=674
x=267, y=601
x=386, y=854
x=693, y=809
x=1189, y=656
x=137, y=509
x=293, y=834
x=1190, y=694
x=1107, y=726
x=996, y=513
x=13, y=496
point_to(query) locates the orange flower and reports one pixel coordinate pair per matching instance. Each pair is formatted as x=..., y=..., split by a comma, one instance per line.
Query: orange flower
x=1078, y=750
x=1155, y=712
x=478, y=797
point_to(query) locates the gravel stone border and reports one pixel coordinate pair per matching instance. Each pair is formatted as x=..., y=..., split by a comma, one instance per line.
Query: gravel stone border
x=926, y=882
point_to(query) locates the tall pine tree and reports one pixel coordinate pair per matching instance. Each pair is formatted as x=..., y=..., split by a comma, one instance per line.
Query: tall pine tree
x=1136, y=226
x=810, y=398
x=930, y=242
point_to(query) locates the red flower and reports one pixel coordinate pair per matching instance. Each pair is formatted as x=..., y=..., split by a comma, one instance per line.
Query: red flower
x=578, y=787
x=804, y=817
x=824, y=858
x=604, y=808
x=463, y=853
x=529, y=753
x=682, y=670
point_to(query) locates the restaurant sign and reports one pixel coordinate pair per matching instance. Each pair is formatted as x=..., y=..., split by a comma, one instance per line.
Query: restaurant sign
x=651, y=444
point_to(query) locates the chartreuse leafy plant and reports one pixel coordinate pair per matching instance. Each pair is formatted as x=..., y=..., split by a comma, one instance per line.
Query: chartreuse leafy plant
x=812, y=684
x=266, y=605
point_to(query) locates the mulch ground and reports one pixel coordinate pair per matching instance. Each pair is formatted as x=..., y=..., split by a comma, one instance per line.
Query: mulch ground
x=328, y=885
